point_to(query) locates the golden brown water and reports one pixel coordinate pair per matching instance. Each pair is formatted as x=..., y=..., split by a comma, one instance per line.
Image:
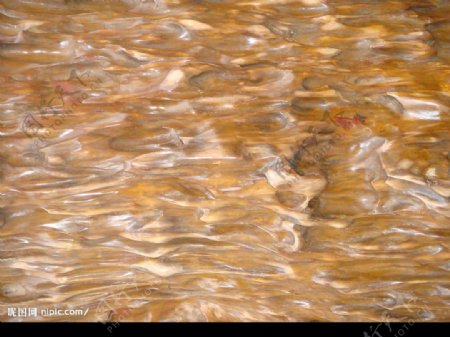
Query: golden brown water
x=225, y=160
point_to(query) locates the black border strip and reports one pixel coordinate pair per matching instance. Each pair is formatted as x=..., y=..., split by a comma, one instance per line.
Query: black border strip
x=231, y=329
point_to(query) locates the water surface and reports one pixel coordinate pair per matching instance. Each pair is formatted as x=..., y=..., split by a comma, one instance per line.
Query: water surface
x=225, y=160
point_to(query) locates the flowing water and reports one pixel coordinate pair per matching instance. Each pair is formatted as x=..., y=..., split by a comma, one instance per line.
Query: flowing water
x=225, y=160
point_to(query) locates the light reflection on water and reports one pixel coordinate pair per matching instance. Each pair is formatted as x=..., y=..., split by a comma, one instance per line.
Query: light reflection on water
x=225, y=161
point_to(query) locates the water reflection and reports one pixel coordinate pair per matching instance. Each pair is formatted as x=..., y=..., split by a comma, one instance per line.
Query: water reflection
x=225, y=161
